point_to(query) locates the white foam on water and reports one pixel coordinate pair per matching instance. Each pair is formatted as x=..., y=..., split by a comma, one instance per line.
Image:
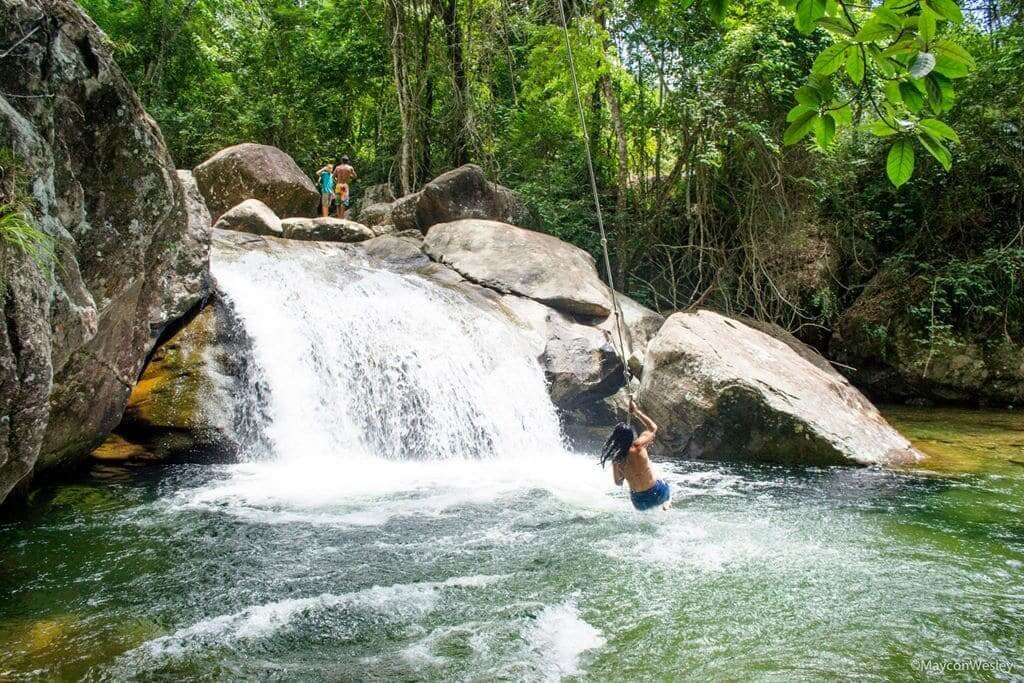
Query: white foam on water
x=557, y=639
x=397, y=602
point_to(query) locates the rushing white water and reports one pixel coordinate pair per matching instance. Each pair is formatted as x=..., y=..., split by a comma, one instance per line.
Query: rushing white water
x=363, y=362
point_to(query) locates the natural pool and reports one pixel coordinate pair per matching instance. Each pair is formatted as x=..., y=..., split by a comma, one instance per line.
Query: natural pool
x=528, y=569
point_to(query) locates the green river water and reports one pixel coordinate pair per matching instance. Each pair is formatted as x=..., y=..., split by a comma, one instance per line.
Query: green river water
x=529, y=570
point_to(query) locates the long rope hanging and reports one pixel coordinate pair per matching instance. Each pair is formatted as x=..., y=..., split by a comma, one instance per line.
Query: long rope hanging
x=617, y=310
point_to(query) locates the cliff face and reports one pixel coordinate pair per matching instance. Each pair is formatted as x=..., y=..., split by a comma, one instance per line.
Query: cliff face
x=74, y=333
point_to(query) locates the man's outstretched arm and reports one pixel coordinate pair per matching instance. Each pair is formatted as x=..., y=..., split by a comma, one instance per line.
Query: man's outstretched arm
x=650, y=428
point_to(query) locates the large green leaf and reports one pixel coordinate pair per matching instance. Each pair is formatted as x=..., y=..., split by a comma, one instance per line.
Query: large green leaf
x=926, y=25
x=874, y=29
x=797, y=111
x=946, y=9
x=717, y=9
x=855, y=63
x=911, y=97
x=807, y=12
x=922, y=65
x=954, y=51
x=831, y=58
x=808, y=96
x=936, y=149
x=824, y=130
x=939, y=129
x=899, y=165
x=800, y=127
x=881, y=129
x=951, y=68
x=836, y=25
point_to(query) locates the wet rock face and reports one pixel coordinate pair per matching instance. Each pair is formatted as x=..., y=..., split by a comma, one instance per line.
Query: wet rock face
x=512, y=260
x=104, y=188
x=720, y=389
x=888, y=353
x=251, y=171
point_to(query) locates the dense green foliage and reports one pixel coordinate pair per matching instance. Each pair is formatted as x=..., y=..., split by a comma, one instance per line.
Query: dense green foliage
x=689, y=112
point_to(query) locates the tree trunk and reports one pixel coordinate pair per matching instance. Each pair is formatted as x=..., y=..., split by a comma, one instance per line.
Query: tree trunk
x=406, y=152
x=459, y=153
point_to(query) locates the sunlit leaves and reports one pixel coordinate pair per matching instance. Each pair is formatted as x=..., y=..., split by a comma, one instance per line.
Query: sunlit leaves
x=939, y=129
x=807, y=12
x=800, y=127
x=855, y=63
x=899, y=165
x=831, y=59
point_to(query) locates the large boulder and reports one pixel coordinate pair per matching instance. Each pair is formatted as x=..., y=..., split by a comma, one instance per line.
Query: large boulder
x=887, y=349
x=251, y=171
x=721, y=389
x=187, y=281
x=512, y=260
x=461, y=193
x=75, y=332
x=327, y=229
x=251, y=216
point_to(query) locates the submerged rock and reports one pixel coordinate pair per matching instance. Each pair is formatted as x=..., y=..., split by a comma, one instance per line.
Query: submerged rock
x=73, y=338
x=251, y=171
x=721, y=389
x=461, y=193
x=327, y=229
x=513, y=260
x=251, y=216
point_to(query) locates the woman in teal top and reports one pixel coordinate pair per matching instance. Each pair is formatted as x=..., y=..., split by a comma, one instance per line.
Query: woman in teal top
x=326, y=175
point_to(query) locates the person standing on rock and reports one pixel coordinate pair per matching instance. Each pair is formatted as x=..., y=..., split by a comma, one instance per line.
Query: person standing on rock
x=343, y=174
x=326, y=182
x=630, y=462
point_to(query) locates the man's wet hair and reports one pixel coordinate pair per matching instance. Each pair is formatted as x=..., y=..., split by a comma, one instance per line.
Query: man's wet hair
x=616, y=448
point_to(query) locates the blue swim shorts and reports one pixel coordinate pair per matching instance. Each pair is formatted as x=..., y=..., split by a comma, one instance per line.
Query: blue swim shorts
x=656, y=496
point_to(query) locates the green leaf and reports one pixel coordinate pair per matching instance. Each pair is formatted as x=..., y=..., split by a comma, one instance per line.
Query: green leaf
x=808, y=12
x=885, y=65
x=950, y=68
x=892, y=92
x=911, y=97
x=946, y=9
x=836, y=25
x=926, y=26
x=935, y=95
x=808, y=96
x=881, y=129
x=887, y=16
x=831, y=58
x=939, y=129
x=800, y=127
x=843, y=115
x=899, y=165
x=922, y=65
x=717, y=9
x=874, y=29
x=937, y=149
x=947, y=48
x=824, y=130
x=905, y=46
x=796, y=111
x=855, y=63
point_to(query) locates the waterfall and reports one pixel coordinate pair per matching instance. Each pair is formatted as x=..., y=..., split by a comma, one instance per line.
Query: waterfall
x=355, y=360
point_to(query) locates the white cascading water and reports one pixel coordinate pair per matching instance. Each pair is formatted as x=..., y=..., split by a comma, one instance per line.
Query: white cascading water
x=359, y=361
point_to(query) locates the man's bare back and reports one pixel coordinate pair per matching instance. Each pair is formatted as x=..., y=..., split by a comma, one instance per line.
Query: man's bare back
x=646, y=489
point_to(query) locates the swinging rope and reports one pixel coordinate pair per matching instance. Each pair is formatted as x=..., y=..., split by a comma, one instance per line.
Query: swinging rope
x=617, y=310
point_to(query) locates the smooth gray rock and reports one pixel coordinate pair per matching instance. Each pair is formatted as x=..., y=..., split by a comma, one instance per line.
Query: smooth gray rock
x=461, y=193
x=325, y=230
x=517, y=261
x=400, y=249
x=721, y=389
x=251, y=216
x=75, y=336
x=251, y=171
x=188, y=281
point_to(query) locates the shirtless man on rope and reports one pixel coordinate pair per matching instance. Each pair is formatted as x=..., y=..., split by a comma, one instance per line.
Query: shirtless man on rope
x=628, y=453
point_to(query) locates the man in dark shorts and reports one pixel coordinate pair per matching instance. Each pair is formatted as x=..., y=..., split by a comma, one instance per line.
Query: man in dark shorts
x=631, y=463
